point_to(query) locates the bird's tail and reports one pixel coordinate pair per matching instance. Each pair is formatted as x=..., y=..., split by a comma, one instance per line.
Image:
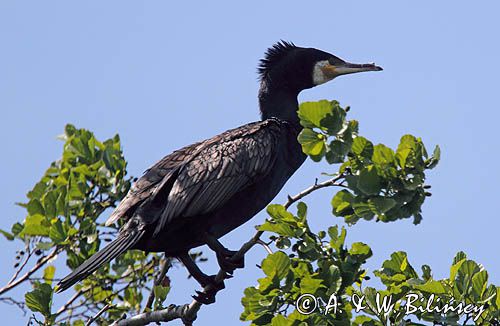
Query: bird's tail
x=112, y=250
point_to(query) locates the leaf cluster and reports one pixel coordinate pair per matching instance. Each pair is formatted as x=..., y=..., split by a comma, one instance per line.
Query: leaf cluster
x=376, y=182
x=381, y=183
x=316, y=263
x=62, y=217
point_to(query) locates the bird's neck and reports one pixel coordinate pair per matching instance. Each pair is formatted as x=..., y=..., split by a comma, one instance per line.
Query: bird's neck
x=278, y=102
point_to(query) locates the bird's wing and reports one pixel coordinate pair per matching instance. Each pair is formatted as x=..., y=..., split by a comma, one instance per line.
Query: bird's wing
x=226, y=164
x=152, y=179
x=201, y=177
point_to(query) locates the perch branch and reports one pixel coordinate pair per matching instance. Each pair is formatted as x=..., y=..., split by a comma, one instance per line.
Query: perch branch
x=188, y=312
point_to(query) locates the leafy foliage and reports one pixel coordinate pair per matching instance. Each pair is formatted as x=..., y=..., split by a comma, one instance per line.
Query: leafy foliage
x=376, y=181
x=382, y=183
x=319, y=264
x=40, y=299
x=467, y=284
x=62, y=216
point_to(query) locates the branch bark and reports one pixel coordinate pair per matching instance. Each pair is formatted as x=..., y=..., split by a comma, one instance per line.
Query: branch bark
x=188, y=312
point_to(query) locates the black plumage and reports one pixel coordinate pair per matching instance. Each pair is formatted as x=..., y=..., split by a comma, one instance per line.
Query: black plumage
x=203, y=191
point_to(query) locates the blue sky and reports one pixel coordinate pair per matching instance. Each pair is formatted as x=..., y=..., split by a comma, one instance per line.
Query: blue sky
x=164, y=75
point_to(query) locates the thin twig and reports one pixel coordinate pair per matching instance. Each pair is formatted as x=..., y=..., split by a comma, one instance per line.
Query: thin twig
x=94, y=318
x=70, y=301
x=35, y=268
x=12, y=301
x=26, y=259
x=167, y=263
x=266, y=246
x=316, y=186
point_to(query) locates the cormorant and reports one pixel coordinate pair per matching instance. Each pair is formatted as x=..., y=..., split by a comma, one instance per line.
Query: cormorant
x=203, y=191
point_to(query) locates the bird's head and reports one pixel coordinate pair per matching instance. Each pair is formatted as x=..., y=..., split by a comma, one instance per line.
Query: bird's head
x=295, y=68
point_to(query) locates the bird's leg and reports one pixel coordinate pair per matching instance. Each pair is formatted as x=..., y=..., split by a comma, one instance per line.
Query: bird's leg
x=224, y=255
x=205, y=280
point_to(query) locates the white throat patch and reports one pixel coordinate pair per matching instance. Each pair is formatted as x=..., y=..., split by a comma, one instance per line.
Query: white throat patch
x=319, y=76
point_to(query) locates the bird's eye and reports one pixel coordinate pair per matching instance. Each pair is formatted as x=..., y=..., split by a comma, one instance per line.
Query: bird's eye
x=333, y=61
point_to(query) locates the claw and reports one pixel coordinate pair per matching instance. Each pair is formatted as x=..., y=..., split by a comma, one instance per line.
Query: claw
x=224, y=259
x=204, y=298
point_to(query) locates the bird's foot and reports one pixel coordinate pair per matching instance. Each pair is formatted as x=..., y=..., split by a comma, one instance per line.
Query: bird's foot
x=226, y=263
x=208, y=296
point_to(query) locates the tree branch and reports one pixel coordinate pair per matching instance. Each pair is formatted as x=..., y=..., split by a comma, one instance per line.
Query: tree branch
x=35, y=268
x=188, y=312
x=328, y=183
x=99, y=313
x=70, y=301
x=29, y=253
x=170, y=313
x=266, y=246
x=14, y=302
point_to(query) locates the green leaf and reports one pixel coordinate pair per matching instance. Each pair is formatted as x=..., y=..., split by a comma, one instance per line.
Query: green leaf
x=40, y=299
x=36, y=225
x=360, y=249
x=279, y=213
x=408, y=142
x=37, y=191
x=276, y=265
x=280, y=228
x=283, y=243
x=310, y=285
x=399, y=264
x=49, y=204
x=17, y=228
x=362, y=147
x=301, y=210
x=363, y=209
x=402, y=156
x=337, y=240
x=431, y=286
x=336, y=151
x=426, y=272
x=382, y=204
x=454, y=269
x=434, y=160
x=69, y=130
x=382, y=155
x=34, y=207
x=44, y=245
x=48, y=274
x=7, y=235
x=313, y=143
x=369, y=181
x=479, y=283
x=279, y=320
x=459, y=257
x=322, y=114
x=341, y=203
x=161, y=293
x=57, y=232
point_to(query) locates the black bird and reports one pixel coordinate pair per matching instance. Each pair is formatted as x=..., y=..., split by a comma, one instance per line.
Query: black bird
x=203, y=191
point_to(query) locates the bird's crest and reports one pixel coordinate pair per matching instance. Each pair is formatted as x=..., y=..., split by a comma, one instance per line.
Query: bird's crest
x=274, y=54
